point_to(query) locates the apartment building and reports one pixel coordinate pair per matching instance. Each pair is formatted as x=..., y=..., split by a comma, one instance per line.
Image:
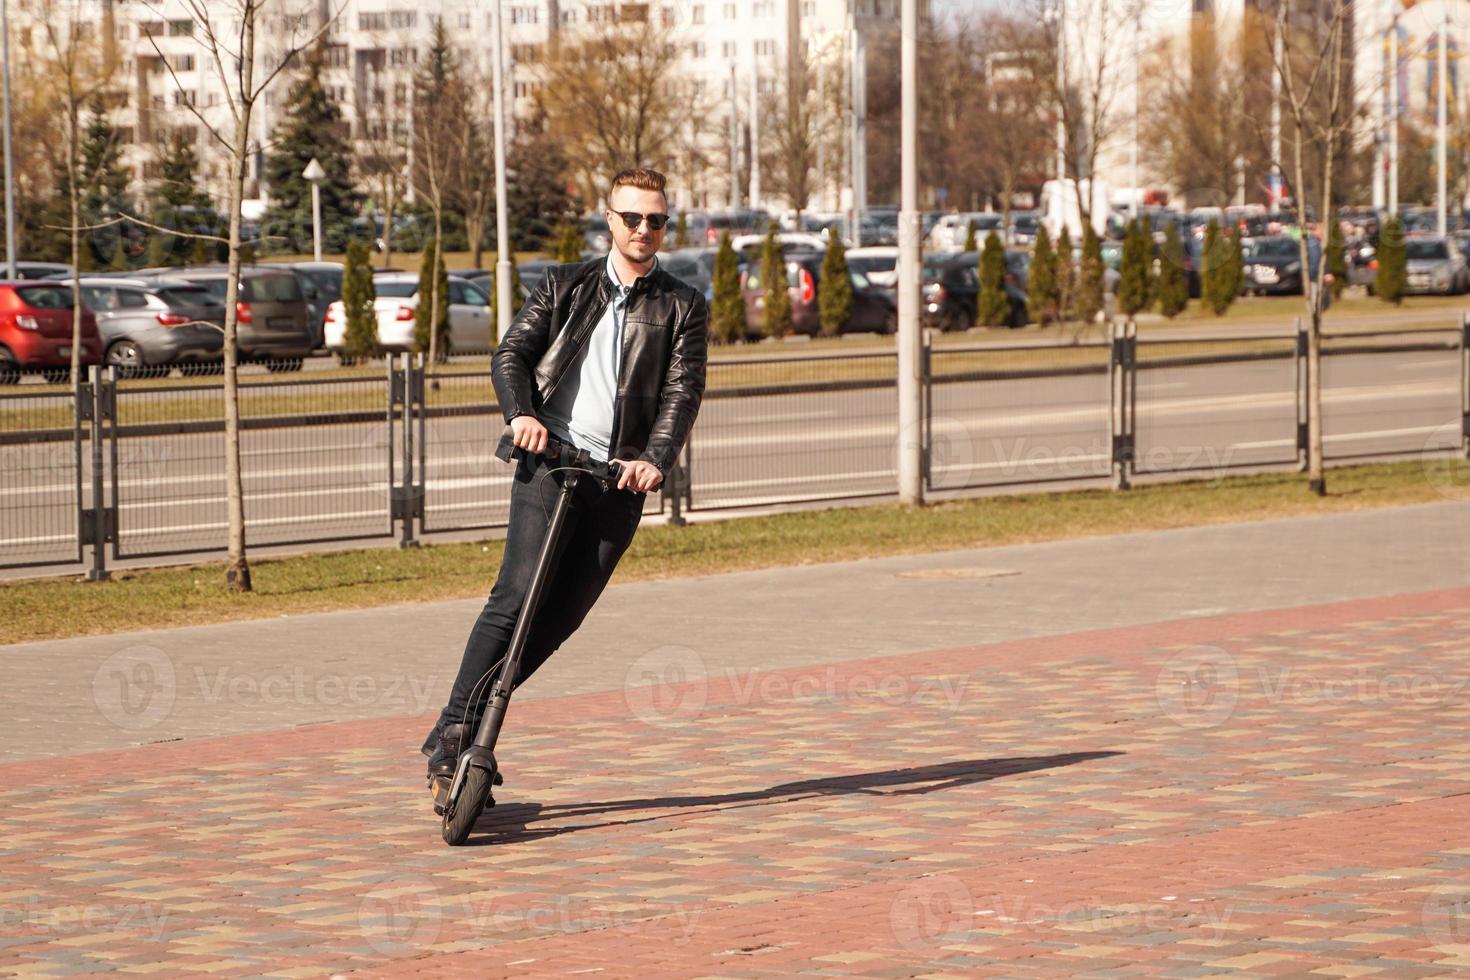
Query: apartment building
x=164, y=78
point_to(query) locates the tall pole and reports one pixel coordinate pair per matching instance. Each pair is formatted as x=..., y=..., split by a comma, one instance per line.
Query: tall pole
x=1441, y=157
x=1061, y=97
x=860, y=134
x=1133, y=153
x=316, y=220
x=910, y=353
x=734, y=139
x=1393, y=114
x=1276, y=60
x=755, y=132
x=503, y=299
x=9, y=161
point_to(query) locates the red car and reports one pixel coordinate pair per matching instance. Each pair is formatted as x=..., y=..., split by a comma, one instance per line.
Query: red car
x=35, y=331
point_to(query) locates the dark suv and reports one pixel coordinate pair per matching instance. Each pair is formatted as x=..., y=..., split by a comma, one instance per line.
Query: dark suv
x=274, y=321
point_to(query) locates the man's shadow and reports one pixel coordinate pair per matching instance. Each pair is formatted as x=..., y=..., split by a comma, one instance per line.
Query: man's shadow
x=513, y=822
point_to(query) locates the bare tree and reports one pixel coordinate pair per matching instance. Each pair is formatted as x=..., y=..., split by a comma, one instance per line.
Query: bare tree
x=1085, y=97
x=228, y=31
x=1310, y=50
x=1008, y=123
x=615, y=99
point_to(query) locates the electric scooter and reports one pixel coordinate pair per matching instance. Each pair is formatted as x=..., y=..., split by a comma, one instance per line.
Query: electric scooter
x=476, y=771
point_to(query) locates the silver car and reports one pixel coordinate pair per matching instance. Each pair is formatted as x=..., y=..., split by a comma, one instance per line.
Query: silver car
x=1434, y=265
x=150, y=325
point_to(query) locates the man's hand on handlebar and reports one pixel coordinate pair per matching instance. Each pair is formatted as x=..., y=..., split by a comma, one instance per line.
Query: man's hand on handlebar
x=639, y=475
x=528, y=434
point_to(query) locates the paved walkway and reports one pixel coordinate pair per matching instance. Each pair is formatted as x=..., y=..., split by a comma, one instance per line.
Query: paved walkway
x=1224, y=770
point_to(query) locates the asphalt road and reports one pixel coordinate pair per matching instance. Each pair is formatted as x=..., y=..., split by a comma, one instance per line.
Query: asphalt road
x=334, y=481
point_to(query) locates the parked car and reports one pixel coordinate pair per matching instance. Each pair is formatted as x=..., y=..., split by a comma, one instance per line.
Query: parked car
x=36, y=331
x=149, y=325
x=1022, y=232
x=694, y=266
x=321, y=284
x=878, y=262
x=25, y=269
x=1273, y=264
x=951, y=230
x=1434, y=266
x=596, y=236
x=873, y=307
x=273, y=320
x=530, y=272
x=951, y=289
x=397, y=298
x=748, y=247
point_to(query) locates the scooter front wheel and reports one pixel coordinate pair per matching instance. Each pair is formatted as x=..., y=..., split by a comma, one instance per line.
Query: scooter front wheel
x=460, y=817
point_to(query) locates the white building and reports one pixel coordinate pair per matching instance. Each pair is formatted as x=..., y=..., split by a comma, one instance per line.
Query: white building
x=164, y=65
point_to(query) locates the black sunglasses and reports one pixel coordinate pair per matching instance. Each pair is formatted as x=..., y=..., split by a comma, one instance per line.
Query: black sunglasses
x=632, y=219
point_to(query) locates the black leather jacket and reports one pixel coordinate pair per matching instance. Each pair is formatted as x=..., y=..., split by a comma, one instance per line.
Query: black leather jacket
x=665, y=338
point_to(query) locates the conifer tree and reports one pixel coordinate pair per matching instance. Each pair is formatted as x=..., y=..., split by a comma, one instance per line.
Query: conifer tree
x=1133, y=270
x=777, y=318
x=311, y=127
x=970, y=243
x=1391, y=279
x=727, y=309
x=1173, y=278
x=834, y=293
x=1041, y=287
x=1066, y=276
x=432, y=278
x=361, y=336
x=1090, y=273
x=994, y=306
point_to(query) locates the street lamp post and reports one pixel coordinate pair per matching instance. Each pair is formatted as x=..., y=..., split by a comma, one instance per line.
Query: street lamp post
x=315, y=174
x=910, y=353
x=1441, y=156
x=503, y=298
x=1393, y=113
x=9, y=162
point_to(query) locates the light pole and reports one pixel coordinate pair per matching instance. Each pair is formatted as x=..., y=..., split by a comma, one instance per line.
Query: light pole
x=1393, y=113
x=910, y=353
x=755, y=131
x=734, y=140
x=9, y=162
x=503, y=298
x=315, y=174
x=1441, y=156
x=1133, y=154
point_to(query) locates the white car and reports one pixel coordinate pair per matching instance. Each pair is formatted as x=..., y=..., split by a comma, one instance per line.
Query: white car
x=469, y=315
x=878, y=262
x=951, y=230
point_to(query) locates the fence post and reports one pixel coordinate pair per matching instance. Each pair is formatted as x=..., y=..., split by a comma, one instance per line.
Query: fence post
x=408, y=382
x=1303, y=403
x=1122, y=398
x=674, y=494
x=1465, y=385
x=94, y=404
x=926, y=424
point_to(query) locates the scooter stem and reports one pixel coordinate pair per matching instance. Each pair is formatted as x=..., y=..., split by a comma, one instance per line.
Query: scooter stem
x=489, y=730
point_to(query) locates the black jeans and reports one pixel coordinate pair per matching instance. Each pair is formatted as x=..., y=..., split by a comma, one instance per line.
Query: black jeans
x=599, y=527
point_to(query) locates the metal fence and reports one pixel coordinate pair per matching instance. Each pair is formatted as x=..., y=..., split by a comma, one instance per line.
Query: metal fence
x=116, y=470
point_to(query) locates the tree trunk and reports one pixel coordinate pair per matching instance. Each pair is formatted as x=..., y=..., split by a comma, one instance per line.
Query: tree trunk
x=73, y=165
x=390, y=200
x=433, y=293
x=237, y=572
x=475, y=227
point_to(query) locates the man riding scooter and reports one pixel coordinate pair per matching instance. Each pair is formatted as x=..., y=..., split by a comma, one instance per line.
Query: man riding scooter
x=608, y=357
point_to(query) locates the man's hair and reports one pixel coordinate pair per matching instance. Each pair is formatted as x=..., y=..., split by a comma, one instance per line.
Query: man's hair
x=643, y=178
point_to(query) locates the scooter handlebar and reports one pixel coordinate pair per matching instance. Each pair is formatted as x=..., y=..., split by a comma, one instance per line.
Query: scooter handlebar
x=559, y=453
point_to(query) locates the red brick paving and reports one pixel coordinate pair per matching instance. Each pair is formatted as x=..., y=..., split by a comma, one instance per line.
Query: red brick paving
x=1261, y=794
